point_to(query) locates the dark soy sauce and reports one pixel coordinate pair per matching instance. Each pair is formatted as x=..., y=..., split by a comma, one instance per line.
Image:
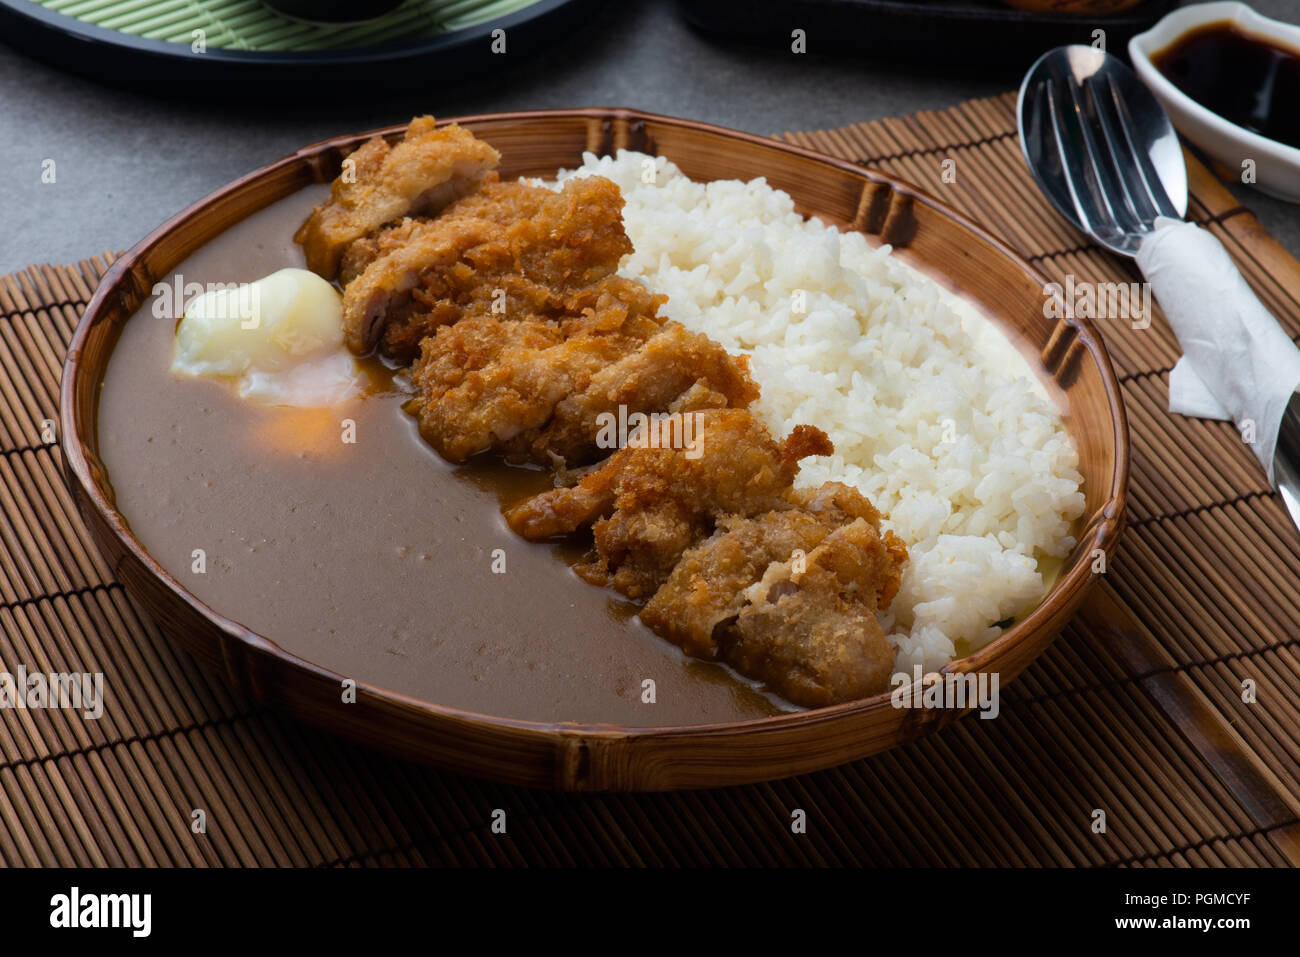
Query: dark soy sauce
x=1249, y=80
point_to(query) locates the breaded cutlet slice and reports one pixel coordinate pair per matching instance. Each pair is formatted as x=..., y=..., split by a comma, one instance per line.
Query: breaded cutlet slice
x=429, y=168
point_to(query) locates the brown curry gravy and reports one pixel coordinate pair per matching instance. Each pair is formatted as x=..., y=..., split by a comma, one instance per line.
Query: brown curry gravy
x=374, y=559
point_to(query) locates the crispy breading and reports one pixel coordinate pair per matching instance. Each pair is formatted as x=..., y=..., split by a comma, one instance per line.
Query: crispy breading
x=362, y=252
x=809, y=629
x=483, y=383
x=789, y=597
x=707, y=586
x=538, y=392
x=429, y=168
x=486, y=382
x=674, y=371
x=613, y=302
x=648, y=503
x=378, y=303
x=526, y=266
x=501, y=202
x=497, y=202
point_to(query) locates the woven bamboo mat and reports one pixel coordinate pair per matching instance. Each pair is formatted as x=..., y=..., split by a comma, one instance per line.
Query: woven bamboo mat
x=1136, y=711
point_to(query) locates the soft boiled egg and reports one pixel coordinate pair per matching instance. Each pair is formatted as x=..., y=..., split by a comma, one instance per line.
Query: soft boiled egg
x=278, y=340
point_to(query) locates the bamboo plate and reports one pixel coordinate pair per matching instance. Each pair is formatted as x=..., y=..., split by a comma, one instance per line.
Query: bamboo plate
x=928, y=234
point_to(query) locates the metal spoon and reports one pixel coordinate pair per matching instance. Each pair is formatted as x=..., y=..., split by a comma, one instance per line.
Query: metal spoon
x=1105, y=154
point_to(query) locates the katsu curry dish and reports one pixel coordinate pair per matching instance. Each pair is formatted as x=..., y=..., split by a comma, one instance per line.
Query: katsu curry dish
x=609, y=447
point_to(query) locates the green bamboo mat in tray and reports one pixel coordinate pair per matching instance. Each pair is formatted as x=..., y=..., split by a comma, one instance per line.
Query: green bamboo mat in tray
x=249, y=25
x=1136, y=710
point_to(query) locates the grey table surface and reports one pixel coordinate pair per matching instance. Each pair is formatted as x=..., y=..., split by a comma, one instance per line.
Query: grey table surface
x=124, y=162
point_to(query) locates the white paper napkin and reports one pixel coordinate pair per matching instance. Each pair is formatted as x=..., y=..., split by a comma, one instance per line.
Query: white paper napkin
x=1237, y=362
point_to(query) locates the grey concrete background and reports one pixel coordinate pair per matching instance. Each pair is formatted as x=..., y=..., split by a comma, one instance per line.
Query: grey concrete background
x=126, y=161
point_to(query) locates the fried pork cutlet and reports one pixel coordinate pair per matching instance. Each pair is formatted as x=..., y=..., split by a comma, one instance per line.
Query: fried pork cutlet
x=662, y=493
x=485, y=383
x=428, y=169
x=789, y=597
x=502, y=202
x=526, y=266
x=707, y=588
x=367, y=249
x=675, y=371
x=497, y=202
x=810, y=631
x=543, y=390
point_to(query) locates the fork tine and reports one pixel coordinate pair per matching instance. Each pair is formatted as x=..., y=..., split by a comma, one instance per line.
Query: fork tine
x=1133, y=189
x=1076, y=178
x=1155, y=189
x=1100, y=165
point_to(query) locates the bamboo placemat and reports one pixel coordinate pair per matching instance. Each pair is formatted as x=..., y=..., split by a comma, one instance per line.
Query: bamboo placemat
x=1136, y=711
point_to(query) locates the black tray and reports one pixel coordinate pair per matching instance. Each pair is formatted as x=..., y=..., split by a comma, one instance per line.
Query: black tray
x=157, y=66
x=927, y=33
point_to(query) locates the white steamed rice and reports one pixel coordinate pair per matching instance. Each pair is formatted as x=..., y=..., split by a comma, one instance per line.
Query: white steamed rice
x=952, y=438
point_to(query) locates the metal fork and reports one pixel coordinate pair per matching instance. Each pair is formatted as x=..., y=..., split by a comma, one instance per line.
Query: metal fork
x=1100, y=146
